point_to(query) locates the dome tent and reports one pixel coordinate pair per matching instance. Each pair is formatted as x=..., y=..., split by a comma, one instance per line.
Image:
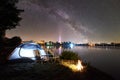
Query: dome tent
x=28, y=50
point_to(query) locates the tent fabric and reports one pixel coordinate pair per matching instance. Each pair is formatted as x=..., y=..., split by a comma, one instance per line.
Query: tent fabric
x=28, y=50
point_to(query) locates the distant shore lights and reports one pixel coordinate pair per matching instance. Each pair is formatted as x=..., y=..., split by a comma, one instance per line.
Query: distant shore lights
x=71, y=45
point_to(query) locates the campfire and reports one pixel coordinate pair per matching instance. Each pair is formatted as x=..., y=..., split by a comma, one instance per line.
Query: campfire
x=79, y=66
x=72, y=66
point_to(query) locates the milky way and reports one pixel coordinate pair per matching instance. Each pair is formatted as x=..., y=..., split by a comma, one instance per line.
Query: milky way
x=62, y=15
x=69, y=20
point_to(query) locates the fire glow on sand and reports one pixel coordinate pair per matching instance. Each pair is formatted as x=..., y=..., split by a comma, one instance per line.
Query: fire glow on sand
x=74, y=67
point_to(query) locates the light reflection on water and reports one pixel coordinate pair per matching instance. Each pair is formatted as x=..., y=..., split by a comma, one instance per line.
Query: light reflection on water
x=105, y=59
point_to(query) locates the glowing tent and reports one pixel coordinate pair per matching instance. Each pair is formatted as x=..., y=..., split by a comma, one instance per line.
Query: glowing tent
x=28, y=50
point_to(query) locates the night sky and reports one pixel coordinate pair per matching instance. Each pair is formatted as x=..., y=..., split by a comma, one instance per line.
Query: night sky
x=69, y=20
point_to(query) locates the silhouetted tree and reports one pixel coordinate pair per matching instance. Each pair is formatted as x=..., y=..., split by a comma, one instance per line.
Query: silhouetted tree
x=9, y=19
x=9, y=15
x=14, y=41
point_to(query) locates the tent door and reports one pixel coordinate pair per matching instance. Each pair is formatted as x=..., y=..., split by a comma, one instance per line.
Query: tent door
x=37, y=55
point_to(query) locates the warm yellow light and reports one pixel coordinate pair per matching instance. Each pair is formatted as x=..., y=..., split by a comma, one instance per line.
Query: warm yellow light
x=91, y=44
x=79, y=66
x=73, y=67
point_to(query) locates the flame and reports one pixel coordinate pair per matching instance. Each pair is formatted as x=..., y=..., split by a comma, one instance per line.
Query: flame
x=73, y=67
x=79, y=66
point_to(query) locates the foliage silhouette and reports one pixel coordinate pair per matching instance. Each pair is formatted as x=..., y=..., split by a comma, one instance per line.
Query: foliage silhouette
x=9, y=19
x=9, y=14
x=69, y=55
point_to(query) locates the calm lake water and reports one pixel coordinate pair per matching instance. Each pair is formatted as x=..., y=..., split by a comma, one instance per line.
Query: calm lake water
x=104, y=59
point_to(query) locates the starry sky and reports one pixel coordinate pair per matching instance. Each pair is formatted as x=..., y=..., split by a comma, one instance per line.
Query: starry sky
x=79, y=21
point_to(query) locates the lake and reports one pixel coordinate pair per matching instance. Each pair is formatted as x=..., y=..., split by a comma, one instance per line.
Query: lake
x=104, y=59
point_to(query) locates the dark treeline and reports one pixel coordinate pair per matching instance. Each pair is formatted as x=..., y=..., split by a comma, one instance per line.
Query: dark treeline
x=9, y=19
